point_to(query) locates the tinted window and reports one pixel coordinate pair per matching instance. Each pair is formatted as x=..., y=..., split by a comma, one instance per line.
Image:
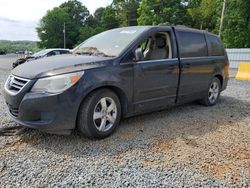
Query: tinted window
x=192, y=44
x=215, y=46
x=52, y=53
x=64, y=52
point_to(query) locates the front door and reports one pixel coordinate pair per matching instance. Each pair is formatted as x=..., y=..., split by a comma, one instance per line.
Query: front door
x=156, y=76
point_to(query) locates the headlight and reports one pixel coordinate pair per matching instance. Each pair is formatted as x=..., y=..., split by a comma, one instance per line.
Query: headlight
x=57, y=84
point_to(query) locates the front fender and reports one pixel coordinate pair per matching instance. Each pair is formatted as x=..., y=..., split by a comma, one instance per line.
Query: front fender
x=116, y=79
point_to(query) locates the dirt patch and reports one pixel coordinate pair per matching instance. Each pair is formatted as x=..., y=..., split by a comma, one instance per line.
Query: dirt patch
x=20, y=144
x=162, y=145
x=222, y=154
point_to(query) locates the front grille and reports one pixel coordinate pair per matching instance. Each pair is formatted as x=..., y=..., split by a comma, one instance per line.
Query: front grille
x=14, y=111
x=15, y=84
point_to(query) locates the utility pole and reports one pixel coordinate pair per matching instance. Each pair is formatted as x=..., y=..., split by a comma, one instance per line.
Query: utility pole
x=222, y=17
x=64, y=35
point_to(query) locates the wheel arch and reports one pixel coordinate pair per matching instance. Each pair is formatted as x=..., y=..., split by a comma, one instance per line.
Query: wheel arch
x=220, y=78
x=118, y=91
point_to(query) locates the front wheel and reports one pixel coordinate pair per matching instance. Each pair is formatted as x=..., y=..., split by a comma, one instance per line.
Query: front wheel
x=99, y=114
x=213, y=93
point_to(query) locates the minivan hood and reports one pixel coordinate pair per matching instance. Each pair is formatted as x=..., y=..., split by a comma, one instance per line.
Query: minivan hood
x=58, y=65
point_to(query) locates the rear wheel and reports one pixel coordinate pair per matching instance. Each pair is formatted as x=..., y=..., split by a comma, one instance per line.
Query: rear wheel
x=213, y=93
x=99, y=114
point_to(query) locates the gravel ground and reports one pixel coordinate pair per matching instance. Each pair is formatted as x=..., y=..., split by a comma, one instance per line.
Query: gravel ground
x=7, y=60
x=186, y=146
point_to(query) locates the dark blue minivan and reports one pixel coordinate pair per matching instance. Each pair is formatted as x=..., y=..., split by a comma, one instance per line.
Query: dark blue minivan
x=117, y=74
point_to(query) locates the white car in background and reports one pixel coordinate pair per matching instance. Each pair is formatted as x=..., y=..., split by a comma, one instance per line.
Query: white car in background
x=41, y=54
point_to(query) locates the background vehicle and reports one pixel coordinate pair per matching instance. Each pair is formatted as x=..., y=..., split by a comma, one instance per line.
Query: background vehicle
x=118, y=73
x=41, y=54
x=2, y=53
x=20, y=52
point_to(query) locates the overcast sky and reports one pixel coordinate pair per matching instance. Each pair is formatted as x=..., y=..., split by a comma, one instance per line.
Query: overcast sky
x=19, y=18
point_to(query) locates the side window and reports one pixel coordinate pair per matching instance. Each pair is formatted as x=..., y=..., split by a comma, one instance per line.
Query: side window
x=130, y=57
x=52, y=53
x=156, y=47
x=192, y=44
x=144, y=44
x=64, y=52
x=57, y=52
x=215, y=46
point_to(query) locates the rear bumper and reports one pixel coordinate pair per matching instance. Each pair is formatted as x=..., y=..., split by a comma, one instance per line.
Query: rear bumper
x=225, y=82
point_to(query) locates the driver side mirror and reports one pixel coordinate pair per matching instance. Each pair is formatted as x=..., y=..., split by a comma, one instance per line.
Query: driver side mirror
x=139, y=55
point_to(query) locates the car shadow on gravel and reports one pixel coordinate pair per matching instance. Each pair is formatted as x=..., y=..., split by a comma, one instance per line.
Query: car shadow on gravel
x=141, y=131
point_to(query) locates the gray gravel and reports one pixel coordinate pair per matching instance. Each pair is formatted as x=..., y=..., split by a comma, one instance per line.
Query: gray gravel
x=7, y=60
x=189, y=146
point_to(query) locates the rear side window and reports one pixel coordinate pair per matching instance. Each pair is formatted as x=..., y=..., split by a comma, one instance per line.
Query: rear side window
x=215, y=46
x=192, y=44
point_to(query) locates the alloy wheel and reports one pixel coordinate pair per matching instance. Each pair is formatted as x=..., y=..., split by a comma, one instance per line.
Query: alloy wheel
x=105, y=114
x=213, y=92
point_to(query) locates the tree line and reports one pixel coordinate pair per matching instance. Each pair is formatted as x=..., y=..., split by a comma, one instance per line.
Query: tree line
x=14, y=46
x=201, y=14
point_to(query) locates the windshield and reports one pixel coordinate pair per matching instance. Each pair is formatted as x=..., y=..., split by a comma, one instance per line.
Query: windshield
x=110, y=43
x=40, y=53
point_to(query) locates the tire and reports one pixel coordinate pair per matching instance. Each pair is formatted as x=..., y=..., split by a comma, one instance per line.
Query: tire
x=213, y=93
x=96, y=121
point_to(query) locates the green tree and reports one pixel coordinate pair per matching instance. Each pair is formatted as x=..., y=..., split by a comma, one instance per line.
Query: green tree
x=205, y=14
x=109, y=18
x=237, y=24
x=127, y=11
x=103, y=19
x=78, y=15
x=50, y=30
x=154, y=12
x=76, y=10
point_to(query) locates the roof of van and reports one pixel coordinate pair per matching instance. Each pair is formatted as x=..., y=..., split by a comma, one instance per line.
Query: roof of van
x=179, y=27
x=185, y=28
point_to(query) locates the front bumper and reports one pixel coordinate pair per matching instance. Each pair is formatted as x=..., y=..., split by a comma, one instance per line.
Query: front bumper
x=49, y=113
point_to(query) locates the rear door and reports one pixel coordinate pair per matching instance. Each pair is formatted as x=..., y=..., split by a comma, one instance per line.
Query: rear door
x=196, y=67
x=156, y=79
x=218, y=54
